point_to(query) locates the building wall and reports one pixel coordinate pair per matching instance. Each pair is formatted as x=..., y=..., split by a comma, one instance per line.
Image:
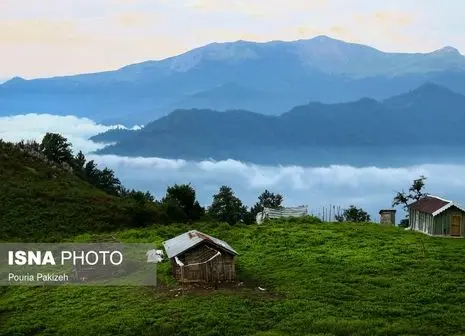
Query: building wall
x=439, y=225
x=443, y=222
x=421, y=221
x=220, y=269
x=387, y=218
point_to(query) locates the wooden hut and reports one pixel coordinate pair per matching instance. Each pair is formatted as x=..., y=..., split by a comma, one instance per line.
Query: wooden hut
x=198, y=257
x=436, y=216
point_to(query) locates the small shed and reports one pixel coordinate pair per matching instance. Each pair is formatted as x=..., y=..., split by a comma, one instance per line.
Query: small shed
x=437, y=216
x=387, y=217
x=198, y=257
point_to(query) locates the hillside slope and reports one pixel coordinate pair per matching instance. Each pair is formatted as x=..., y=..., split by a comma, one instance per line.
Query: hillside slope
x=40, y=202
x=318, y=279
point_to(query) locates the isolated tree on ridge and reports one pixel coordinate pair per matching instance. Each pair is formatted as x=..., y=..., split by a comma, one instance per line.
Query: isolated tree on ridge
x=405, y=199
x=415, y=193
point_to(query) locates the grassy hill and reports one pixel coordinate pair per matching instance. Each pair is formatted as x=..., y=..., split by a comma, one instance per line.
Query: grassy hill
x=42, y=202
x=320, y=279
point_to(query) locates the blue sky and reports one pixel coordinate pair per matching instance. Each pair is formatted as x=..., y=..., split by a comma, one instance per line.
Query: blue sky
x=55, y=37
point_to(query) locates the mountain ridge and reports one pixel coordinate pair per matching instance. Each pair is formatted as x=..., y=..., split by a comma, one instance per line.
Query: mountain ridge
x=366, y=124
x=317, y=39
x=268, y=77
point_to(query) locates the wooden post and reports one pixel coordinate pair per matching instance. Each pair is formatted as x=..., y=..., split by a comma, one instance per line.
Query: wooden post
x=217, y=280
x=182, y=280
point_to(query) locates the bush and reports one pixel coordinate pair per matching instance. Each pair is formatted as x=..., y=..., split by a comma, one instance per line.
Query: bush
x=354, y=215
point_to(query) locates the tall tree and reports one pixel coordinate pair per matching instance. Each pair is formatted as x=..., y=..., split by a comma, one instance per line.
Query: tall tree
x=415, y=193
x=226, y=207
x=57, y=148
x=108, y=182
x=180, y=200
x=91, y=172
x=103, y=179
x=405, y=199
x=79, y=160
x=266, y=200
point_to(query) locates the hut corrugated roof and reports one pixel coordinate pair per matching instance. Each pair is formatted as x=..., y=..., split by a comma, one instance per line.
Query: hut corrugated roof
x=179, y=244
x=429, y=204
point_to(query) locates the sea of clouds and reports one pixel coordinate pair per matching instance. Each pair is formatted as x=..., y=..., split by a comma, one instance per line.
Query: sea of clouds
x=369, y=187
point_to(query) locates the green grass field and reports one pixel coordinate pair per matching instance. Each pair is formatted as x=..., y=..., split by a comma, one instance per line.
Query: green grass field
x=39, y=203
x=320, y=279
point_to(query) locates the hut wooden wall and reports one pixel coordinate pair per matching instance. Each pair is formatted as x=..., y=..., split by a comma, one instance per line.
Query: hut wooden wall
x=421, y=221
x=439, y=225
x=220, y=269
x=443, y=222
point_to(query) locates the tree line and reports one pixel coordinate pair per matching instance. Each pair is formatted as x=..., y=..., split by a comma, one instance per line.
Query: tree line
x=180, y=202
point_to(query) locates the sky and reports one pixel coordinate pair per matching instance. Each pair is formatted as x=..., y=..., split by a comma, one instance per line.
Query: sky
x=371, y=188
x=43, y=38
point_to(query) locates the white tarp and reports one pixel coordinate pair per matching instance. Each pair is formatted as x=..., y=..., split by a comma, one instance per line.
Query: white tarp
x=269, y=213
x=154, y=256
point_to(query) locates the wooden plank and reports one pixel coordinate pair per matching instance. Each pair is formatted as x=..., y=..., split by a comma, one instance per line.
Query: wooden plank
x=456, y=225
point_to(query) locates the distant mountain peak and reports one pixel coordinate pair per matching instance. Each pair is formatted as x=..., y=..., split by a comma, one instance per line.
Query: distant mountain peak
x=16, y=79
x=324, y=38
x=447, y=50
x=429, y=87
x=427, y=95
x=427, y=91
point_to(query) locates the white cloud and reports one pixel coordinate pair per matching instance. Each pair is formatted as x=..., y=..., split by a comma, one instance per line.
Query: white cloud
x=139, y=163
x=34, y=126
x=369, y=187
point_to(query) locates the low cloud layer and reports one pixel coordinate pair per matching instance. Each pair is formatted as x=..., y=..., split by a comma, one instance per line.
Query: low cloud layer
x=34, y=126
x=370, y=187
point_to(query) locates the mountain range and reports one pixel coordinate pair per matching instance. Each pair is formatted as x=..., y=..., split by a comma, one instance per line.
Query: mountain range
x=423, y=124
x=266, y=78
